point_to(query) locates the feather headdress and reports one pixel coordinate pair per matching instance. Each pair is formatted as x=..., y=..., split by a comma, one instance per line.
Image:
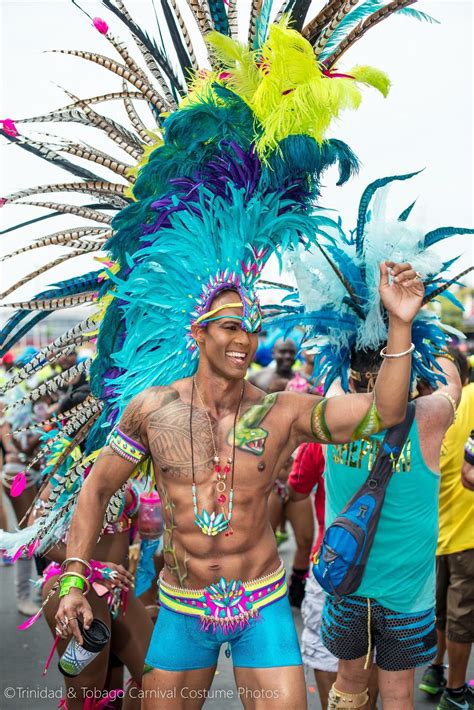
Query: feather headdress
x=226, y=174
x=337, y=298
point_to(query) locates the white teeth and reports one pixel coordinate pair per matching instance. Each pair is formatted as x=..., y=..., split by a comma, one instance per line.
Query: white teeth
x=239, y=355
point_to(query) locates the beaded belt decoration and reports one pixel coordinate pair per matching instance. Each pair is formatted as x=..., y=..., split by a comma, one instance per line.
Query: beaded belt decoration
x=126, y=447
x=225, y=606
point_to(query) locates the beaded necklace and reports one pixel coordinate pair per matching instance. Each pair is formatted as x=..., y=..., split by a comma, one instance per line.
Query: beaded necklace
x=214, y=524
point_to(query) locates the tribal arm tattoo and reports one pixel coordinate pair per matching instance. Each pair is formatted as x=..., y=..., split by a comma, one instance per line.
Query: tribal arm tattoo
x=370, y=423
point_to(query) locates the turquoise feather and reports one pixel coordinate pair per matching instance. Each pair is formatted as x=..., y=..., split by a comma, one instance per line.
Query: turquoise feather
x=367, y=195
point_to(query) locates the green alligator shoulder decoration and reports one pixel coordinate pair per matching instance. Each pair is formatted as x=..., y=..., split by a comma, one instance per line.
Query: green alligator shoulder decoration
x=249, y=436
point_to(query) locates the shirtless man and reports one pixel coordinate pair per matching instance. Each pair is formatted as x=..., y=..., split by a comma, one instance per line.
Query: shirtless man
x=275, y=380
x=187, y=428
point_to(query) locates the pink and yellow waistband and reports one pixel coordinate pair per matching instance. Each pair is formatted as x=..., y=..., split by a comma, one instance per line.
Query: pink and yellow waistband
x=225, y=605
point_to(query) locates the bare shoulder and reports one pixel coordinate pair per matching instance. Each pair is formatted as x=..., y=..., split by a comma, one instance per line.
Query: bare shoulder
x=433, y=418
x=253, y=393
x=434, y=412
x=295, y=402
x=284, y=402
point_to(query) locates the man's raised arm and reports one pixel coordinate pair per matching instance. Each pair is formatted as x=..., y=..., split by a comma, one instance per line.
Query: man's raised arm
x=353, y=416
x=113, y=467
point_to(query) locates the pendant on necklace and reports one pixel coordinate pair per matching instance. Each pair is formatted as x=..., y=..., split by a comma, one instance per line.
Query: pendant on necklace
x=214, y=523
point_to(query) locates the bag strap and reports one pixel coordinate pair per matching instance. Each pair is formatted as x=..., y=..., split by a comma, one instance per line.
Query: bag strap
x=390, y=450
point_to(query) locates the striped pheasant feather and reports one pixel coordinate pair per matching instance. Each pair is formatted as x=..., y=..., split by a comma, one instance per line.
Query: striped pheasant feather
x=98, y=188
x=136, y=121
x=121, y=70
x=71, y=237
x=313, y=29
x=336, y=20
x=46, y=267
x=52, y=384
x=84, y=212
x=87, y=152
x=363, y=27
x=53, y=304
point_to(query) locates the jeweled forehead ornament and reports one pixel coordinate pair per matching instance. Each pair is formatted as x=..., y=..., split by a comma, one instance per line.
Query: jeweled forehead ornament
x=251, y=318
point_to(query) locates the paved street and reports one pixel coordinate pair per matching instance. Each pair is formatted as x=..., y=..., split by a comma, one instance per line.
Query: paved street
x=23, y=654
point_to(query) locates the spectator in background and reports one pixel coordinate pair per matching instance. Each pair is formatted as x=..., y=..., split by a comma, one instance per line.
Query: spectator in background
x=276, y=379
x=298, y=513
x=18, y=478
x=306, y=475
x=5, y=367
x=76, y=390
x=303, y=379
x=454, y=562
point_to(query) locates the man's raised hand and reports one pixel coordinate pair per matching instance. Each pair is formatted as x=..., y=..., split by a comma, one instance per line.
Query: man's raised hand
x=401, y=290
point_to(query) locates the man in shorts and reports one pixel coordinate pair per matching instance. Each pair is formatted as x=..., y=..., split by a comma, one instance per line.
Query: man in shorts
x=392, y=612
x=454, y=563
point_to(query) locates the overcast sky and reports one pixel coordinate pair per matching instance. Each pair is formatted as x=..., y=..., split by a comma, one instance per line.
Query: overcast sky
x=426, y=121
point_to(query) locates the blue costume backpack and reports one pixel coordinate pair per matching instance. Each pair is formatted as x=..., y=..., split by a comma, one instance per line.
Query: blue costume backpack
x=340, y=562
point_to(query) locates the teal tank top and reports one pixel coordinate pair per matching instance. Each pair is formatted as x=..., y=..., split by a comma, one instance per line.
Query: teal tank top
x=400, y=572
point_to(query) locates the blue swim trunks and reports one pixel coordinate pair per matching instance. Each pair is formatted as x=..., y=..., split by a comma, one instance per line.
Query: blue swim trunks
x=401, y=641
x=254, y=618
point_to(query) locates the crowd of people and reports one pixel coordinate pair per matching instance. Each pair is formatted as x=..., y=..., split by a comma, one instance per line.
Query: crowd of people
x=361, y=656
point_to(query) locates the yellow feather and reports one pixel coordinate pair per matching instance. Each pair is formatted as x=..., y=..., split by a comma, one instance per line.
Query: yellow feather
x=294, y=97
x=372, y=77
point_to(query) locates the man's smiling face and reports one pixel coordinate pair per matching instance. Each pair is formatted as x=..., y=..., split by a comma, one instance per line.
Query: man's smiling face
x=228, y=349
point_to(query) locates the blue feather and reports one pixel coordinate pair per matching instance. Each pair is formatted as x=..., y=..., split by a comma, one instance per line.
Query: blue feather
x=367, y=195
x=406, y=212
x=418, y=15
x=441, y=233
x=15, y=320
x=452, y=298
x=348, y=23
x=263, y=20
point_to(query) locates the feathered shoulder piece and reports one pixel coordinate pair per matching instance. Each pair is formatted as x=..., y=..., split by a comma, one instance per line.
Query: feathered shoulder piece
x=337, y=296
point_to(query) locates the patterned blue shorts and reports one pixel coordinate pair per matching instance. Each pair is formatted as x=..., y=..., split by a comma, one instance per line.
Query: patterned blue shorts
x=401, y=641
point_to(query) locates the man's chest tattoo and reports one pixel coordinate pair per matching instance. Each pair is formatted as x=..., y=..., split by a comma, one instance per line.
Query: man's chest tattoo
x=170, y=442
x=249, y=435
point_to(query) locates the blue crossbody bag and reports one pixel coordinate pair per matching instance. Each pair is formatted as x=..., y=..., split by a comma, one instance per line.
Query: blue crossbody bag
x=340, y=562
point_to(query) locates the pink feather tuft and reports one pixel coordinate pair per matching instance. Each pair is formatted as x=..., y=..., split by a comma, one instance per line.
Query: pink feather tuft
x=18, y=553
x=8, y=125
x=100, y=25
x=18, y=485
x=32, y=547
x=29, y=622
